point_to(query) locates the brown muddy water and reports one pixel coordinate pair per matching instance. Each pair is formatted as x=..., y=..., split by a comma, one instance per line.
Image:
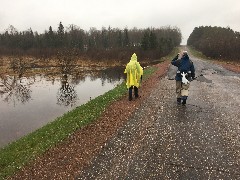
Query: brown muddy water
x=28, y=103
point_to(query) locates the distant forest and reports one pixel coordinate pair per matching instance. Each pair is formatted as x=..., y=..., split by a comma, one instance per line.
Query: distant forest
x=216, y=42
x=107, y=43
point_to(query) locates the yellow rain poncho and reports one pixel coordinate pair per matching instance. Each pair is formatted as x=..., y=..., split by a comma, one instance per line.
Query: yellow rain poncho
x=134, y=72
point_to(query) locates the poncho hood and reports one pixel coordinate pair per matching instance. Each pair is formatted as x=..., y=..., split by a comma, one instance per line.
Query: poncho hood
x=134, y=57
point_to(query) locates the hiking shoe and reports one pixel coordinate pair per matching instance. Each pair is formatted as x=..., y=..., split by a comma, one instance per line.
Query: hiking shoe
x=184, y=102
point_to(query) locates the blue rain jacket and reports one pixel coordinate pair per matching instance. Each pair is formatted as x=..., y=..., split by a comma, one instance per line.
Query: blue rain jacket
x=184, y=65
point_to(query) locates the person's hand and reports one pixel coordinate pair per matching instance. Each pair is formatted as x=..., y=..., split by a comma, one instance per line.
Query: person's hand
x=177, y=55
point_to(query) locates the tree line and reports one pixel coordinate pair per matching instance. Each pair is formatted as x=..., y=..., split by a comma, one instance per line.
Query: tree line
x=107, y=43
x=216, y=42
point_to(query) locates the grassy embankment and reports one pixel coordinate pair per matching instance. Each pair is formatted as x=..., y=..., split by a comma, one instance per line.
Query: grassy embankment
x=24, y=150
x=230, y=65
x=198, y=54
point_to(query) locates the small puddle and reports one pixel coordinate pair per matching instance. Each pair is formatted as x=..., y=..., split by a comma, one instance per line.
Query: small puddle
x=201, y=78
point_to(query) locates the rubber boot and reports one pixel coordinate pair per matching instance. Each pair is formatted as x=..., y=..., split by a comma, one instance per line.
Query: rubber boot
x=136, y=92
x=130, y=93
x=184, y=102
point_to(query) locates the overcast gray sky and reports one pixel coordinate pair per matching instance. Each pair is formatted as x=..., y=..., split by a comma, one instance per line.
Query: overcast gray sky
x=185, y=14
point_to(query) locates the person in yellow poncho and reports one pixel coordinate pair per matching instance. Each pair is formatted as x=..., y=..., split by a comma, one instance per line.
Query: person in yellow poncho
x=134, y=76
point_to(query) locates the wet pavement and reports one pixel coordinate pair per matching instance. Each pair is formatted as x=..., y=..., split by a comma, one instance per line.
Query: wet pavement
x=163, y=140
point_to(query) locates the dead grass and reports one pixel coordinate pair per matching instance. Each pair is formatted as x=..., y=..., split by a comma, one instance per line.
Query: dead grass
x=40, y=66
x=232, y=66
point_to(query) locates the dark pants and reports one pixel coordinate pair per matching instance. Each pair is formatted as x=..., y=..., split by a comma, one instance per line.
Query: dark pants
x=135, y=92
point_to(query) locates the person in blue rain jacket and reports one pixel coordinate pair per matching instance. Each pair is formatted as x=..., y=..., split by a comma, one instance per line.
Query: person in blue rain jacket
x=184, y=65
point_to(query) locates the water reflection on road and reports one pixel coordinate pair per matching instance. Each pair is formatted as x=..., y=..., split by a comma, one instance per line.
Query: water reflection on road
x=28, y=103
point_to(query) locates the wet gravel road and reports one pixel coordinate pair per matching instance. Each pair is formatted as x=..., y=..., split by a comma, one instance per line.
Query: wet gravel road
x=163, y=140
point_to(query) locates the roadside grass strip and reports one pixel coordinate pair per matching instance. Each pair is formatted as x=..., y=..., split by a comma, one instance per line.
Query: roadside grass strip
x=198, y=54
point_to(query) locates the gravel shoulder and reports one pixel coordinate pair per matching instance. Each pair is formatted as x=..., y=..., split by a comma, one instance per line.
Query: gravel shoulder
x=154, y=138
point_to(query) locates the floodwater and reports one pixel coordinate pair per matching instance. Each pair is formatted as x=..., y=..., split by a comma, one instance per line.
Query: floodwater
x=28, y=103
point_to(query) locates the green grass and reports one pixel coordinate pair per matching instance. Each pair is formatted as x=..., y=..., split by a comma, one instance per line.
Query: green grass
x=198, y=54
x=21, y=152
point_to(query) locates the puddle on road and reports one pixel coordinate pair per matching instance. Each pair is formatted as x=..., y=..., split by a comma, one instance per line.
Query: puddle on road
x=201, y=78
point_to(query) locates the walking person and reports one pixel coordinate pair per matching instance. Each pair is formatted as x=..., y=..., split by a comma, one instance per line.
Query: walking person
x=185, y=67
x=134, y=73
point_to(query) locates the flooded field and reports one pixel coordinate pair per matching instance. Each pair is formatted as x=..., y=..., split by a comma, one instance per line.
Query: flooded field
x=30, y=102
